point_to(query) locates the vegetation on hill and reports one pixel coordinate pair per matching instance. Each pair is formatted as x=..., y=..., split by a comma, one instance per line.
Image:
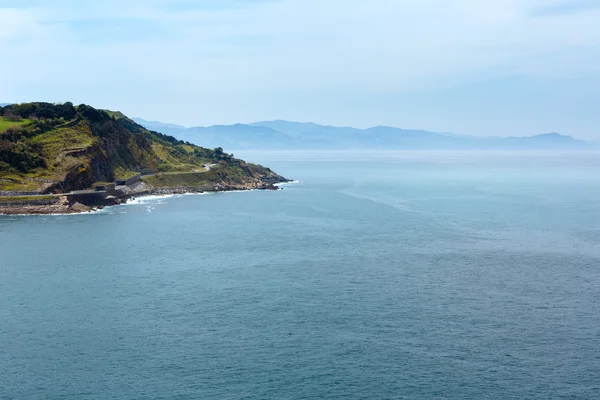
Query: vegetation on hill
x=52, y=148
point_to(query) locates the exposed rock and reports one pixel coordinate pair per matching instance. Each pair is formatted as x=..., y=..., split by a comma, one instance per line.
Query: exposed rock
x=78, y=207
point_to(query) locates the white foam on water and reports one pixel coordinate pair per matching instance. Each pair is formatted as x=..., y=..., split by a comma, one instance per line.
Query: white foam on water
x=145, y=200
x=287, y=183
x=148, y=199
x=239, y=191
x=192, y=194
x=91, y=212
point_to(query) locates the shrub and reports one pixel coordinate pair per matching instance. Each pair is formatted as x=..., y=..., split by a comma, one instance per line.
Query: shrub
x=10, y=115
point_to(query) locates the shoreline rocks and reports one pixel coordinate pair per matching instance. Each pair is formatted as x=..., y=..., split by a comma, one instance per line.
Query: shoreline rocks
x=63, y=206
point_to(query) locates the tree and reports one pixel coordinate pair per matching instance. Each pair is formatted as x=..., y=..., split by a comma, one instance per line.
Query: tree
x=11, y=116
x=66, y=111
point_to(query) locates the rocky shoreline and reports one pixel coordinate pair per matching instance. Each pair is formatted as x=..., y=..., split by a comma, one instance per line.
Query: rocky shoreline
x=62, y=205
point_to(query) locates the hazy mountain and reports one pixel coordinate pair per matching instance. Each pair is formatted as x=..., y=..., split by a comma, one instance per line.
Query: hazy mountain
x=239, y=136
x=300, y=135
x=159, y=126
x=302, y=128
x=546, y=140
x=5, y=104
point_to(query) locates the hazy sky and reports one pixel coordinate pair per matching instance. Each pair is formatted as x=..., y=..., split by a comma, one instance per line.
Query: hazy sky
x=481, y=67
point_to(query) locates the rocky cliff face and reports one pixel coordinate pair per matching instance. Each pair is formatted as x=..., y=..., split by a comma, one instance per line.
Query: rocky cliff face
x=58, y=148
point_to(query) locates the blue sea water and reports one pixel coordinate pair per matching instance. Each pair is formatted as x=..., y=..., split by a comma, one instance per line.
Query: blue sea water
x=378, y=276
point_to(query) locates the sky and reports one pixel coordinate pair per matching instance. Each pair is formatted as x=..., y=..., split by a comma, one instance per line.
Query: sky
x=476, y=67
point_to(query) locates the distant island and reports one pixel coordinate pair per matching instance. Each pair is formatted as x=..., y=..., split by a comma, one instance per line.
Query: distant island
x=285, y=135
x=61, y=158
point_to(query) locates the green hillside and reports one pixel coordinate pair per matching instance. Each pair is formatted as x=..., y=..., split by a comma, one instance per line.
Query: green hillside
x=53, y=148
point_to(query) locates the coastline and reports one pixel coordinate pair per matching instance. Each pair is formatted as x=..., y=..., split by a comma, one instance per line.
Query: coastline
x=63, y=206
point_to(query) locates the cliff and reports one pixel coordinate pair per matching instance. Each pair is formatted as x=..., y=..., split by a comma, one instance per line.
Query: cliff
x=57, y=148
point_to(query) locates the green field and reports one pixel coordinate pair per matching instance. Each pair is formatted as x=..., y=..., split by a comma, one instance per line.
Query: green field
x=5, y=124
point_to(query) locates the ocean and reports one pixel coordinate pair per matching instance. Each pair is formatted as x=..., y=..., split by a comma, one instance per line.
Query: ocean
x=379, y=275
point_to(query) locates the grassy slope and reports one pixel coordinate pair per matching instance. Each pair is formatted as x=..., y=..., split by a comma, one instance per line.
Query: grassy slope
x=115, y=114
x=63, y=148
x=60, y=148
x=78, y=152
x=5, y=124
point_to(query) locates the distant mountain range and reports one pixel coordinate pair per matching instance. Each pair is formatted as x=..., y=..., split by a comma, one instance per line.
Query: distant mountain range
x=296, y=135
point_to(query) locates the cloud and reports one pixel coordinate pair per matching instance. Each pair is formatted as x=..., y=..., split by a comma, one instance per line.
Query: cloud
x=233, y=60
x=565, y=8
x=17, y=23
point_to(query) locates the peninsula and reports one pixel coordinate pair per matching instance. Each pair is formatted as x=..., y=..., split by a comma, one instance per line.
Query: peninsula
x=61, y=158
